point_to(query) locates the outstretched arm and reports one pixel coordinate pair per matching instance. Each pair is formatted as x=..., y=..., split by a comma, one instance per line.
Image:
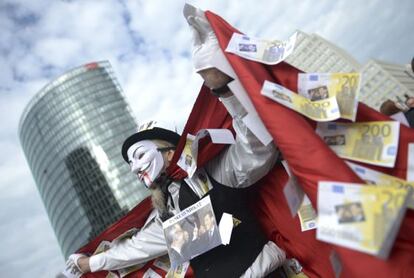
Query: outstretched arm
x=145, y=245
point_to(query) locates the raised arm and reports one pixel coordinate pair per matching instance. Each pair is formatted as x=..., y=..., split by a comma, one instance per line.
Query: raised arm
x=248, y=160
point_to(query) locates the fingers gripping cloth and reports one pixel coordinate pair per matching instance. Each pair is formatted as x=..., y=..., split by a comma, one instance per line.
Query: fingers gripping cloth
x=205, y=43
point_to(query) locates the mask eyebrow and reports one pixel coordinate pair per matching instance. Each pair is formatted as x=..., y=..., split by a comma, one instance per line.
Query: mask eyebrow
x=133, y=154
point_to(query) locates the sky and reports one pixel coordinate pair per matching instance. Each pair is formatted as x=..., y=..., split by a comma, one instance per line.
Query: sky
x=149, y=45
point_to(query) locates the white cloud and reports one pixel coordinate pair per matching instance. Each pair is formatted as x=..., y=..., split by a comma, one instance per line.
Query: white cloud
x=29, y=247
x=159, y=22
x=6, y=74
x=57, y=51
x=161, y=89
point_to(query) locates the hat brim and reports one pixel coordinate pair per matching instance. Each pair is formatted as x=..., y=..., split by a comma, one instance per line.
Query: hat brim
x=155, y=133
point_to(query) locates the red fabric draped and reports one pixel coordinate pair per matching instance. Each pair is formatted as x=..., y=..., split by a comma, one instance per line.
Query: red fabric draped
x=309, y=158
x=135, y=218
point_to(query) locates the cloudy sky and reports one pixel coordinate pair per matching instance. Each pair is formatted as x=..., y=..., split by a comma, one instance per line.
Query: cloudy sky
x=149, y=46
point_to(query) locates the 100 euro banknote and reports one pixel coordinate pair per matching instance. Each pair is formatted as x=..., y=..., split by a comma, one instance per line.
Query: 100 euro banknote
x=369, y=142
x=259, y=50
x=343, y=86
x=320, y=110
x=363, y=218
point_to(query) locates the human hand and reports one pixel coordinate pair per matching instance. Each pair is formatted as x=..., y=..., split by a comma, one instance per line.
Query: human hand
x=389, y=108
x=401, y=105
x=81, y=261
x=214, y=78
x=205, y=43
x=72, y=269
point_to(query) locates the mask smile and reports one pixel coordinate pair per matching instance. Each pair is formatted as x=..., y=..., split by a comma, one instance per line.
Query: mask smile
x=142, y=174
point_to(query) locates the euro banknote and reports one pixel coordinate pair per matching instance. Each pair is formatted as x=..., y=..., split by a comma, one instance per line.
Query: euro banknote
x=380, y=179
x=260, y=50
x=189, y=155
x=307, y=215
x=369, y=142
x=188, y=158
x=360, y=217
x=298, y=201
x=343, y=86
x=179, y=271
x=319, y=110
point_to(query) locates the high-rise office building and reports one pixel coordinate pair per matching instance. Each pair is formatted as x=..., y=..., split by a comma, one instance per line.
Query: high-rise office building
x=71, y=133
x=315, y=54
x=381, y=81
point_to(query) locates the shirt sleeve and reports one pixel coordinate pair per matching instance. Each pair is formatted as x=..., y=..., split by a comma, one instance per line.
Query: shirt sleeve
x=248, y=160
x=147, y=244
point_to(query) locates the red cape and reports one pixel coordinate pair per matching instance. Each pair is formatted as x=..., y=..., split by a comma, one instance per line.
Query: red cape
x=309, y=159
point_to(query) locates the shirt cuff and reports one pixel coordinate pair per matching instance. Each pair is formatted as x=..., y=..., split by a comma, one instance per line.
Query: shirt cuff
x=233, y=106
x=97, y=262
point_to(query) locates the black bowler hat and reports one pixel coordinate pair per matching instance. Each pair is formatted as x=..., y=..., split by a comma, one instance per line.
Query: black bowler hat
x=155, y=133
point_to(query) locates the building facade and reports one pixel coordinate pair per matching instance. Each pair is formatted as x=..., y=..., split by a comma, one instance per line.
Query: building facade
x=71, y=133
x=315, y=54
x=381, y=81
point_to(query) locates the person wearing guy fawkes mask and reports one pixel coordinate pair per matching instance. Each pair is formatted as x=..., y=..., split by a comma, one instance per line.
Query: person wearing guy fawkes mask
x=149, y=152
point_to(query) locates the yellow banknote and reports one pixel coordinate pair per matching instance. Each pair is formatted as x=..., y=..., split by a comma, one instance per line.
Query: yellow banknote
x=307, y=215
x=319, y=110
x=380, y=179
x=188, y=158
x=260, y=50
x=370, y=142
x=361, y=217
x=102, y=247
x=125, y=271
x=343, y=86
x=179, y=271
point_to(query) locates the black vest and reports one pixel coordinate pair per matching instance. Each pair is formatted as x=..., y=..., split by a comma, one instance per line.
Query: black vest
x=247, y=239
x=410, y=117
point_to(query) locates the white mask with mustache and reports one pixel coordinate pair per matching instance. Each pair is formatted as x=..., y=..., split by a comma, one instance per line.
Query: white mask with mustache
x=146, y=161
